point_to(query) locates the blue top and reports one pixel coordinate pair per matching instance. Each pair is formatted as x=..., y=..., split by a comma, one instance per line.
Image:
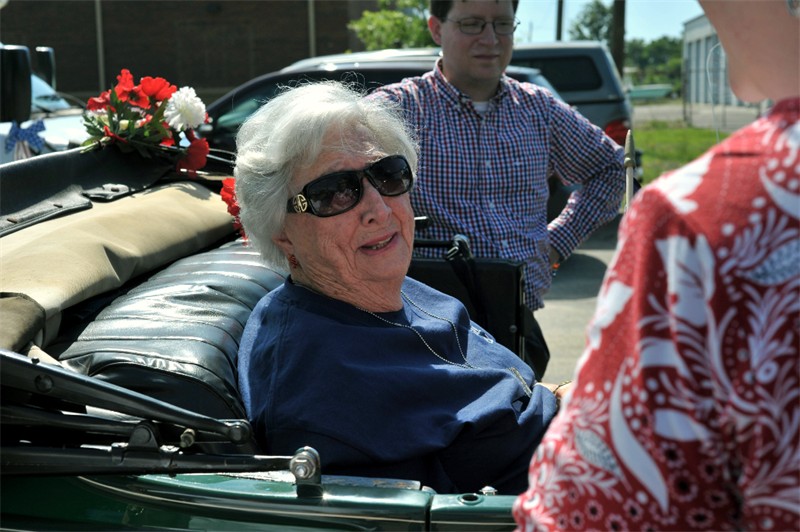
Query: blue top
x=375, y=401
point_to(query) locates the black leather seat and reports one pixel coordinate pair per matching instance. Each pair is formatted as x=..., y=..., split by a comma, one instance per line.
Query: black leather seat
x=176, y=336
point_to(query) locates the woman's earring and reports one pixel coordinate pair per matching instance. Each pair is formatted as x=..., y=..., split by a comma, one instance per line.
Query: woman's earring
x=293, y=262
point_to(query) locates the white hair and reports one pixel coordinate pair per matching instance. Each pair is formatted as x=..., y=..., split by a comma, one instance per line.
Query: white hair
x=286, y=134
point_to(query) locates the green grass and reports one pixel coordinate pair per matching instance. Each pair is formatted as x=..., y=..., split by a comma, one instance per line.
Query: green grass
x=670, y=145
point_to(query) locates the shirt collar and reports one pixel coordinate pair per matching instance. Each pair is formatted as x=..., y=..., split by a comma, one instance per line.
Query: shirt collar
x=457, y=97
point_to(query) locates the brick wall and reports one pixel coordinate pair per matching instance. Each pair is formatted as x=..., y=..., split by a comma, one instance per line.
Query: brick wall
x=210, y=45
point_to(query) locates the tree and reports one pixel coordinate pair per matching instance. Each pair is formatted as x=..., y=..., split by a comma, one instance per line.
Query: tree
x=598, y=22
x=658, y=61
x=398, y=24
x=593, y=23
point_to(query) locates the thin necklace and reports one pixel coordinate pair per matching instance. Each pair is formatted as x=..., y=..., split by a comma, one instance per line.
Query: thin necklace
x=514, y=371
x=466, y=364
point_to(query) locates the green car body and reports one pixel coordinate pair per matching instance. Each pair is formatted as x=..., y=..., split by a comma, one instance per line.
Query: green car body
x=228, y=502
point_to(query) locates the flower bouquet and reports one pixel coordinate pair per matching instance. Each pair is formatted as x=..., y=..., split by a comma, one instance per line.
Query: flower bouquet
x=149, y=119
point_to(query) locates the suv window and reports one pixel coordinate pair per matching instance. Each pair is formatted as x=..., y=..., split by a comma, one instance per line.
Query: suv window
x=247, y=100
x=569, y=73
x=228, y=112
x=244, y=105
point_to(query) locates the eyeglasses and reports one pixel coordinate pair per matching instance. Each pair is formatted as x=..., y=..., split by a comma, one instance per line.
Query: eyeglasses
x=474, y=26
x=339, y=192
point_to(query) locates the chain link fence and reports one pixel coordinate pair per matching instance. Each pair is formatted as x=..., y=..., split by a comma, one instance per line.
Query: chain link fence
x=708, y=100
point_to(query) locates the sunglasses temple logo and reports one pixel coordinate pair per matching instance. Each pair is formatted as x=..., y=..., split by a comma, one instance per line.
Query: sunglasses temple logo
x=300, y=203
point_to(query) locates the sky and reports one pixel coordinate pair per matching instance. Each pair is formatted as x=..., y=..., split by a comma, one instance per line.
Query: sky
x=644, y=19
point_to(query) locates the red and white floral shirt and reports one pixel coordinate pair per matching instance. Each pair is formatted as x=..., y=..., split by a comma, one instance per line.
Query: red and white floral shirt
x=685, y=413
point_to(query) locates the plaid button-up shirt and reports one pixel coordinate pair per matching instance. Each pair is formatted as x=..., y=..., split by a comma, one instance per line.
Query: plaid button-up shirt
x=486, y=175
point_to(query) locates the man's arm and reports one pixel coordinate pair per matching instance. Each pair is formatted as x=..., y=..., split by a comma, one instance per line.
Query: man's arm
x=582, y=154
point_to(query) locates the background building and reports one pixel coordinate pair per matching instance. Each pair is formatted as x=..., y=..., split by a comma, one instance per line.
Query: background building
x=212, y=46
x=708, y=100
x=704, y=64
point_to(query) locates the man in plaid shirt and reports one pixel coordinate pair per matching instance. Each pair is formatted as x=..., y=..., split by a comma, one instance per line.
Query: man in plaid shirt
x=488, y=145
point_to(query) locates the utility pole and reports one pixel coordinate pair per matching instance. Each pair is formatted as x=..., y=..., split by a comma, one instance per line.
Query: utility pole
x=618, y=34
x=559, y=18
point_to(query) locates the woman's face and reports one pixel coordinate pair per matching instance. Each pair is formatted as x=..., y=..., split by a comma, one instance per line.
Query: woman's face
x=353, y=254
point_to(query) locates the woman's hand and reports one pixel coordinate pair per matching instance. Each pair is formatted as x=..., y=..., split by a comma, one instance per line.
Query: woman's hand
x=559, y=390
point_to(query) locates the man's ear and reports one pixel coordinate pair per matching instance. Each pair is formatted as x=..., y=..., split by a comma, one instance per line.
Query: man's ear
x=435, y=27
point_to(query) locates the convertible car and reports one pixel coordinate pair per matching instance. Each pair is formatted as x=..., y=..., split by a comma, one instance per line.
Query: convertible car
x=124, y=289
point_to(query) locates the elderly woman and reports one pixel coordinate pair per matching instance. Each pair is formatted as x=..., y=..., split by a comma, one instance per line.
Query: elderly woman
x=383, y=375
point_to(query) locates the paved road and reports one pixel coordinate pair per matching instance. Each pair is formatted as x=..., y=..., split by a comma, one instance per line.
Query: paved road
x=571, y=301
x=724, y=118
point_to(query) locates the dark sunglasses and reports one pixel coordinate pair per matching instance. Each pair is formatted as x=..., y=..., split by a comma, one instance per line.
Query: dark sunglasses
x=339, y=192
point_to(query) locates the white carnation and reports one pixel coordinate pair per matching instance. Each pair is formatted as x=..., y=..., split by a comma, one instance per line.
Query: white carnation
x=184, y=110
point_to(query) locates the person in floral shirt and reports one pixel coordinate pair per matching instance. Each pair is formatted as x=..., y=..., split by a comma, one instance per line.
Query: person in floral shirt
x=685, y=413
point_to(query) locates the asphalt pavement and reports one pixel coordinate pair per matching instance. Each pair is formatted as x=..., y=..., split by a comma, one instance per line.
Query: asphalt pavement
x=726, y=118
x=570, y=303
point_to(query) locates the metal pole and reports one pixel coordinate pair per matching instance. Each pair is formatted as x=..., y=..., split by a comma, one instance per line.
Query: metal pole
x=312, y=30
x=559, y=18
x=101, y=58
x=630, y=168
x=618, y=35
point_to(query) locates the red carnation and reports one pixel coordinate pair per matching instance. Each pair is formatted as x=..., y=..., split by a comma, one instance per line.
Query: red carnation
x=228, y=194
x=124, y=85
x=138, y=98
x=157, y=88
x=195, y=157
x=128, y=92
x=167, y=141
x=100, y=103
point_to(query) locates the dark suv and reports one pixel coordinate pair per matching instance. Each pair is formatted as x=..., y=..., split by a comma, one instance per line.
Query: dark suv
x=367, y=69
x=584, y=74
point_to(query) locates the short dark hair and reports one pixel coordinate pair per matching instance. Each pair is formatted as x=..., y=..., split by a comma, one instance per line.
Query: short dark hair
x=440, y=8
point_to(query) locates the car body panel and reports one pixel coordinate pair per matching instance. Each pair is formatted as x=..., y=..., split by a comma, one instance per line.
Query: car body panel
x=222, y=502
